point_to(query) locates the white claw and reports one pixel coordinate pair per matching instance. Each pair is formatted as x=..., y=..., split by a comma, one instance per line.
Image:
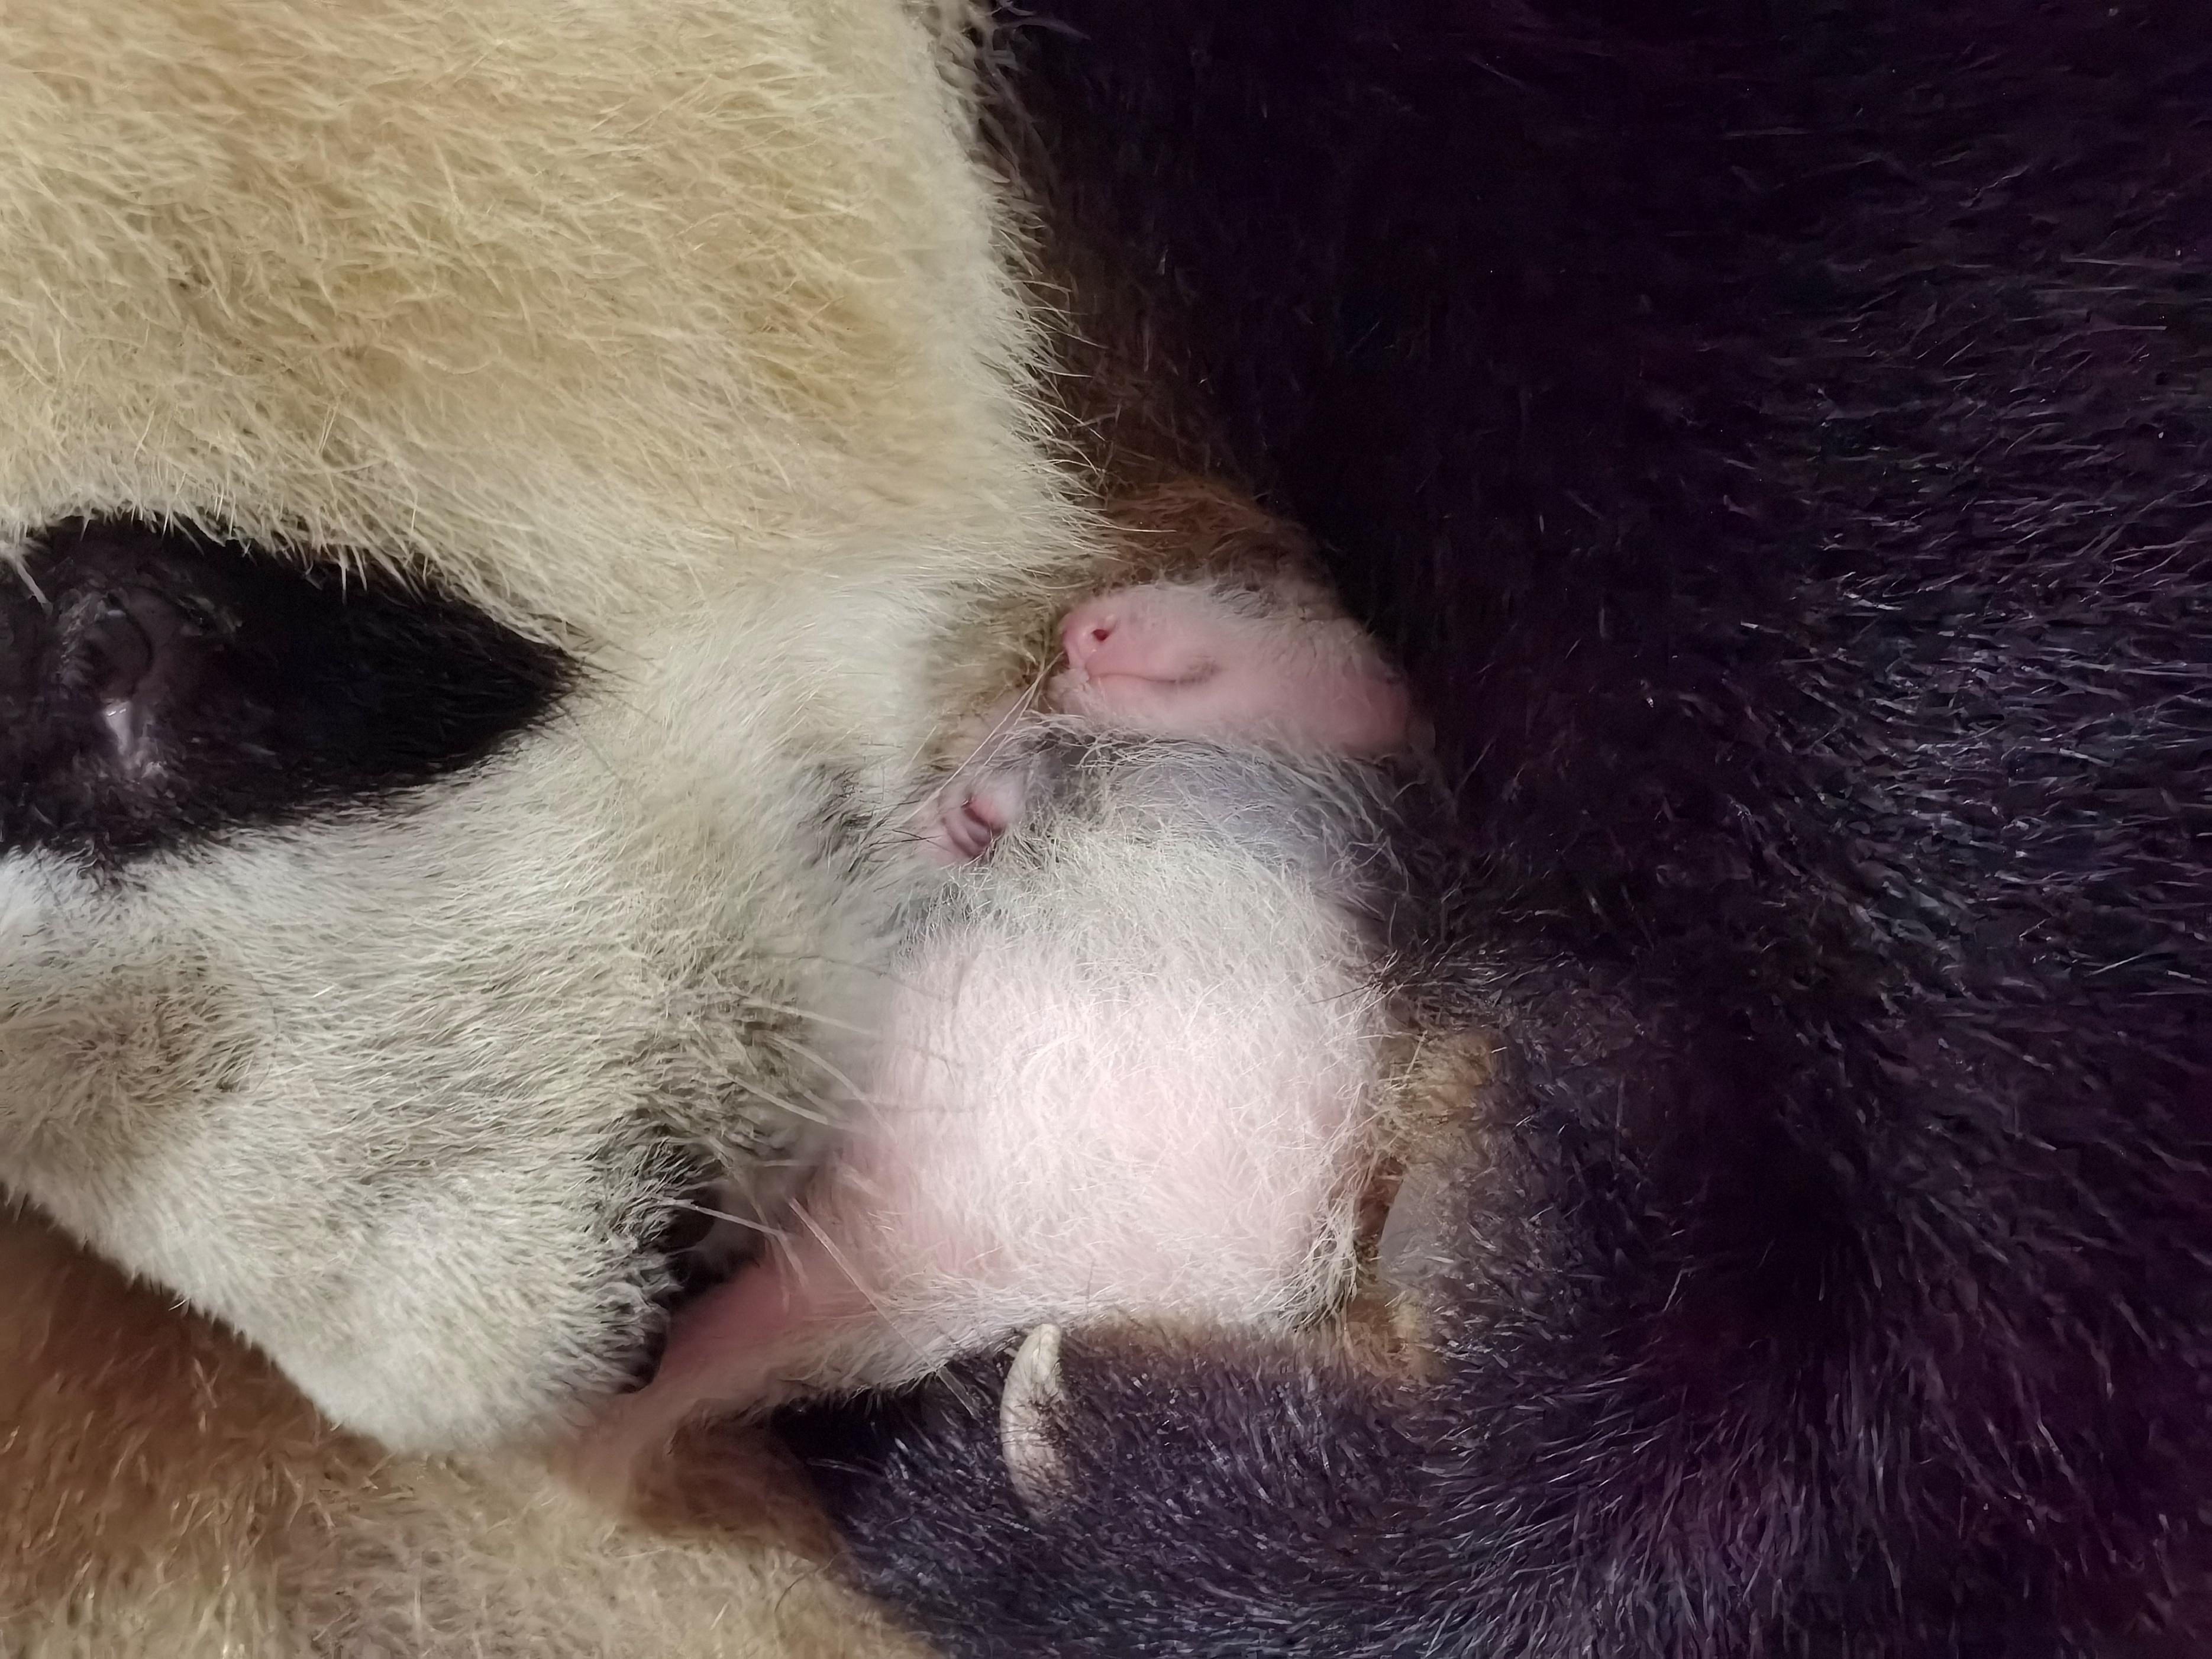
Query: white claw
x=1032, y=1397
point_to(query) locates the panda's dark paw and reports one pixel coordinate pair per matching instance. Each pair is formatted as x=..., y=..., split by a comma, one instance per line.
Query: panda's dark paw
x=862, y=1452
x=1115, y=1492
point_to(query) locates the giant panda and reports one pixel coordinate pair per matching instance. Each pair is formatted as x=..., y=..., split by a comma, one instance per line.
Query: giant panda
x=504, y=507
x=1776, y=438
x=485, y=493
x=1769, y=438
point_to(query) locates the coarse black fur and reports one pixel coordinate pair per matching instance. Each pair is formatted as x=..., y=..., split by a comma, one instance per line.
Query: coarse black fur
x=159, y=686
x=1778, y=437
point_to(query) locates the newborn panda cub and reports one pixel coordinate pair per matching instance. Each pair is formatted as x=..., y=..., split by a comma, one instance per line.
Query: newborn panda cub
x=1135, y=1046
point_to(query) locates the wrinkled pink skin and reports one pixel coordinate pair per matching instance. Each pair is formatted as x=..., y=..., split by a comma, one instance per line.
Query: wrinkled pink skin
x=1175, y=661
x=1163, y=659
x=1185, y=661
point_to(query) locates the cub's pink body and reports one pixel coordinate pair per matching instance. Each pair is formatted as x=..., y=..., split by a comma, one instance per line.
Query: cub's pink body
x=1130, y=1054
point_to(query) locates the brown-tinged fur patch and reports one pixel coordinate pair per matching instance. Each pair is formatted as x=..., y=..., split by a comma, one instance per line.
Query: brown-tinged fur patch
x=171, y=1495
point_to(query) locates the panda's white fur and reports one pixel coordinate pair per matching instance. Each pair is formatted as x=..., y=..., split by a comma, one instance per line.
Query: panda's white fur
x=349, y=1087
x=685, y=335
x=689, y=338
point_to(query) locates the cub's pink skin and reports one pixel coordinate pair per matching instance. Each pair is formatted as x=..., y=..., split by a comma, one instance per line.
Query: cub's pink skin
x=1189, y=660
x=1125, y=1073
x=974, y=806
x=968, y=814
x=1193, y=660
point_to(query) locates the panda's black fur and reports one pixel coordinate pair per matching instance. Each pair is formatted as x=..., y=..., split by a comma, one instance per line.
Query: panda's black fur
x=1778, y=437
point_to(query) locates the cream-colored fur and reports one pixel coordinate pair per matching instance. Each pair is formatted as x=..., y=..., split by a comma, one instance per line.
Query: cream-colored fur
x=170, y=1497
x=685, y=334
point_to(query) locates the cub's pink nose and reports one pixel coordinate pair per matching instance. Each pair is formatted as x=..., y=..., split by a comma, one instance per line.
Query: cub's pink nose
x=1086, y=629
x=1148, y=635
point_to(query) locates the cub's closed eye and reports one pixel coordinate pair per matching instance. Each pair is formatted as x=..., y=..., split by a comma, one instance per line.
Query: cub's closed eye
x=158, y=686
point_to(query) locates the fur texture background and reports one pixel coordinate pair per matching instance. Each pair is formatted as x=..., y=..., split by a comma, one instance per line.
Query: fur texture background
x=172, y=1496
x=484, y=290
x=689, y=342
x=1778, y=437
x=685, y=340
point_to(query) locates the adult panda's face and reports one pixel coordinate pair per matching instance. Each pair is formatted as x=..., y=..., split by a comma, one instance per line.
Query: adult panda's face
x=394, y=984
x=482, y=494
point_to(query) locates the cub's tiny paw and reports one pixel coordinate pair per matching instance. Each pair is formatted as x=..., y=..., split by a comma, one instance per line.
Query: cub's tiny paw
x=960, y=821
x=985, y=794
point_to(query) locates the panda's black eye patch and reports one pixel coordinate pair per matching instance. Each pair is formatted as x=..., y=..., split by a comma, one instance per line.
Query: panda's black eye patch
x=158, y=687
